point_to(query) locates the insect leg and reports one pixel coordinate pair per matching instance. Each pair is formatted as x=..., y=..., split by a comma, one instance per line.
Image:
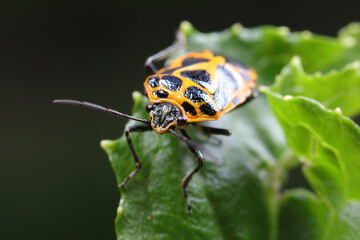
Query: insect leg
x=185, y=181
x=179, y=44
x=137, y=128
x=212, y=130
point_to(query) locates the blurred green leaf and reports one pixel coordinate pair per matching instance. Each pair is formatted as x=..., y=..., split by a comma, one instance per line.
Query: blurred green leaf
x=241, y=197
x=328, y=144
x=349, y=37
x=336, y=89
x=302, y=216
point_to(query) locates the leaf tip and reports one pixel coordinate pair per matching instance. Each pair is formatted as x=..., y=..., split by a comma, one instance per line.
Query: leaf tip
x=284, y=31
x=236, y=28
x=137, y=96
x=354, y=65
x=349, y=33
x=107, y=145
x=186, y=27
x=264, y=89
x=120, y=209
x=317, y=74
x=306, y=34
x=287, y=97
x=332, y=72
x=296, y=61
x=349, y=41
x=354, y=27
x=338, y=111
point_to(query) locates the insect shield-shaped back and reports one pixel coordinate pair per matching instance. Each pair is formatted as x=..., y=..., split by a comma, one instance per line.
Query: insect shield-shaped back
x=165, y=115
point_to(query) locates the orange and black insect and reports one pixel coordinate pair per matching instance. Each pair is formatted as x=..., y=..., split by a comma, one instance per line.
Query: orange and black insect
x=195, y=87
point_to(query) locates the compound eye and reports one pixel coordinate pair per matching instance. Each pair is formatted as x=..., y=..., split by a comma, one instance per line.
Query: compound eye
x=149, y=107
x=182, y=121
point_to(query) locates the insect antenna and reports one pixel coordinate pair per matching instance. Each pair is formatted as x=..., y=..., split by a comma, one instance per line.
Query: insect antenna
x=98, y=108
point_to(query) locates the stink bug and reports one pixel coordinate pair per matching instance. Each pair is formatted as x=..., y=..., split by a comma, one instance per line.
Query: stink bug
x=195, y=87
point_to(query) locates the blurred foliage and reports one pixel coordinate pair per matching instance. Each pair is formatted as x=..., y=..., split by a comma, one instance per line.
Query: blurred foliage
x=242, y=197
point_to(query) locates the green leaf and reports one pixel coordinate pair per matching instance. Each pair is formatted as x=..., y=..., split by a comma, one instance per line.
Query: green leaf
x=240, y=197
x=336, y=89
x=302, y=216
x=349, y=36
x=232, y=200
x=305, y=216
x=328, y=144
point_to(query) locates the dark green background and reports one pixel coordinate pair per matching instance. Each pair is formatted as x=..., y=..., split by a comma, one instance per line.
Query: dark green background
x=55, y=181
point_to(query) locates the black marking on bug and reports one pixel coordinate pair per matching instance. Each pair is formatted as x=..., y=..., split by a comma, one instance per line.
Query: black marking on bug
x=190, y=61
x=196, y=95
x=171, y=82
x=153, y=82
x=189, y=108
x=161, y=94
x=208, y=109
x=201, y=77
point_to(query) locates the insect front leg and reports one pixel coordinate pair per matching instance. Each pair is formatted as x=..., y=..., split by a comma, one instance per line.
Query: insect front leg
x=207, y=131
x=185, y=181
x=212, y=130
x=137, y=128
x=179, y=44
